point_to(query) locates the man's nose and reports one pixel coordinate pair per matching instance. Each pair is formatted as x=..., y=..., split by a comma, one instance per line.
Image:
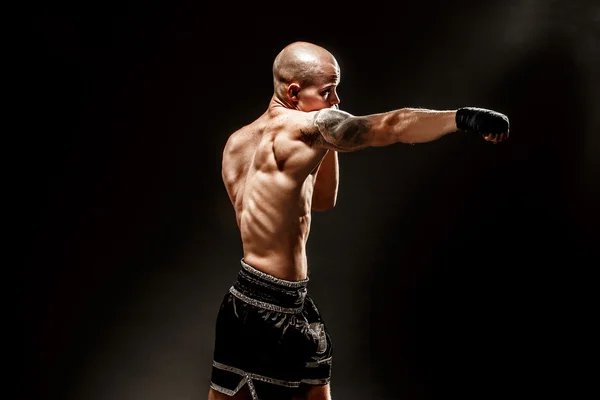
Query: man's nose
x=335, y=99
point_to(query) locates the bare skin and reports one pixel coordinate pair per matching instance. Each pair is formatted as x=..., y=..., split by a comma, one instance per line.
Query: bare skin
x=284, y=165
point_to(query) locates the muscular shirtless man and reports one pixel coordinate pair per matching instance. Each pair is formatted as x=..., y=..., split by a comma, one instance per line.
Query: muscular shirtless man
x=271, y=342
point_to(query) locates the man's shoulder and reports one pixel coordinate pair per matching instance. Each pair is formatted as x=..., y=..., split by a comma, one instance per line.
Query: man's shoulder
x=281, y=123
x=240, y=137
x=290, y=122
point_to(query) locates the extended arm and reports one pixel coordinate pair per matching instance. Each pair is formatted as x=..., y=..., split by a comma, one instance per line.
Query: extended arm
x=326, y=186
x=345, y=132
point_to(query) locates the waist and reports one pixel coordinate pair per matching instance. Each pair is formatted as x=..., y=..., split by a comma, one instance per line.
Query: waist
x=266, y=291
x=285, y=264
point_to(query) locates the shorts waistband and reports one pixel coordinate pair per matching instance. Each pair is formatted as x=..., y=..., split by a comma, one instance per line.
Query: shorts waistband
x=268, y=292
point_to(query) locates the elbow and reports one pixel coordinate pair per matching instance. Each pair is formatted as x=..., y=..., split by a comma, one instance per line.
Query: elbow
x=324, y=205
x=322, y=208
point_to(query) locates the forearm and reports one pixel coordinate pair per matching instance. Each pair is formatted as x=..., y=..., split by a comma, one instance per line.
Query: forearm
x=327, y=181
x=411, y=125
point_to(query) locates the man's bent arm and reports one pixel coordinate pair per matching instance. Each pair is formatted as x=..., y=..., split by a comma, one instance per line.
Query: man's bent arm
x=347, y=132
x=326, y=186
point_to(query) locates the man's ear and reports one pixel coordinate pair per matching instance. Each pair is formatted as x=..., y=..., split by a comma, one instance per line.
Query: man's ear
x=293, y=91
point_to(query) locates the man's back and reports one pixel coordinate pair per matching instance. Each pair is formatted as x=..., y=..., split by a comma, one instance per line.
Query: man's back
x=270, y=177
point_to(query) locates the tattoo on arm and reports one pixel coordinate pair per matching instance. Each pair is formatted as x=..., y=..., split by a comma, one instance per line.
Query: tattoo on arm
x=352, y=132
x=314, y=137
x=342, y=129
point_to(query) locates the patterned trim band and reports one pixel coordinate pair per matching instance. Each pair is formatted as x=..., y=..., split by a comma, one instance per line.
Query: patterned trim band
x=227, y=391
x=272, y=279
x=248, y=376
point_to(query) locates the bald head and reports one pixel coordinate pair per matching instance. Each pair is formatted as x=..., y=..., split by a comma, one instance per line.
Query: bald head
x=301, y=62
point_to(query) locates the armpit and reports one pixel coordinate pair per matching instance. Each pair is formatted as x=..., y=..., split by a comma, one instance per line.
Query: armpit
x=311, y=136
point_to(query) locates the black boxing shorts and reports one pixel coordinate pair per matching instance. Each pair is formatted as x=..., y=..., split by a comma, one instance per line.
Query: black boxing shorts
x=270, y=336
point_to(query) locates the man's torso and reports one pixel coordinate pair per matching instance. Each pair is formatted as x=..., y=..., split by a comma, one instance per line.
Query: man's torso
x=269, y=175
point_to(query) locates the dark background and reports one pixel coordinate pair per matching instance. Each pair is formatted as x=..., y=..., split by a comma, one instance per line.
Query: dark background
x=452, y=268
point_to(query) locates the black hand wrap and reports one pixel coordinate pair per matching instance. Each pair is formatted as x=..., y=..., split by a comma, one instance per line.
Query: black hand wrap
x=481, y=120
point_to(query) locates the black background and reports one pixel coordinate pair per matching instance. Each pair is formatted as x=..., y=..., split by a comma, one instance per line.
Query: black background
x=452, y=268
